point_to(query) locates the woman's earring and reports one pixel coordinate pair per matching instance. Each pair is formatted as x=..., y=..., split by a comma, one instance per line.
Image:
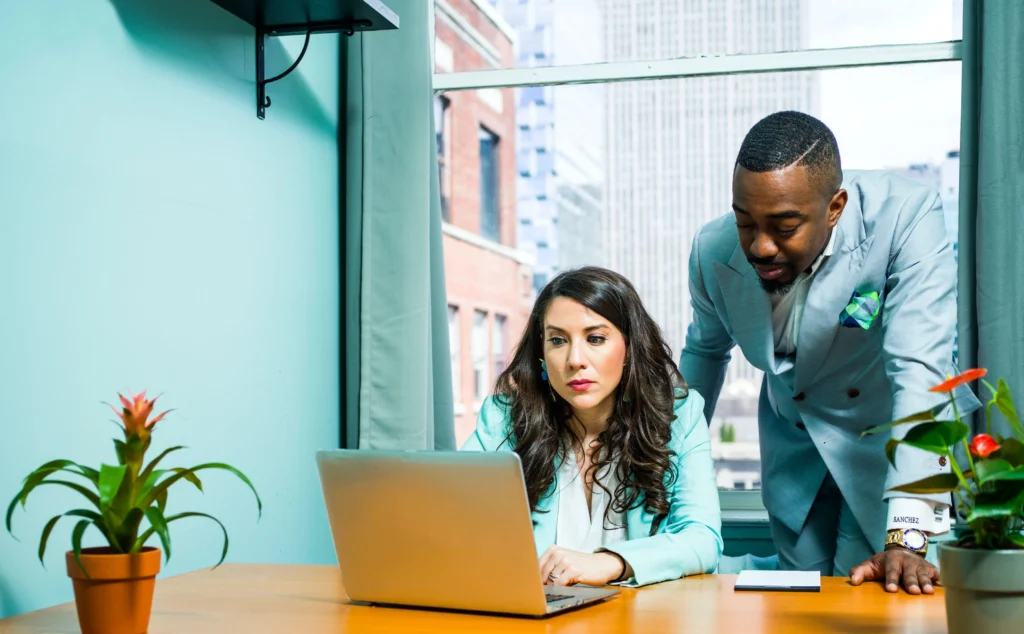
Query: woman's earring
x=544, y=377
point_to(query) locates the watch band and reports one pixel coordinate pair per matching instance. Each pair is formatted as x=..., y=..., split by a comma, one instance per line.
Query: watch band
x=912, y=539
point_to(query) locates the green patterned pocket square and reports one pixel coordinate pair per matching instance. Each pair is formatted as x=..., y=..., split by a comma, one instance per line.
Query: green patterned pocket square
x=861, y=311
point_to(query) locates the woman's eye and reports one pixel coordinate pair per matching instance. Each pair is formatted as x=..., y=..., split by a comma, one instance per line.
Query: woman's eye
x=556, y=341
x=596, y=339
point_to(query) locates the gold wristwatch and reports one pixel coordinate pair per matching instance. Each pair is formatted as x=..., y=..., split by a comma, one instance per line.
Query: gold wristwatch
x=910, y=538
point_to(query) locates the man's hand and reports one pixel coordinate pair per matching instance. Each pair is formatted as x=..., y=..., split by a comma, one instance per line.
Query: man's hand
x=562, y=567
x=897, y=565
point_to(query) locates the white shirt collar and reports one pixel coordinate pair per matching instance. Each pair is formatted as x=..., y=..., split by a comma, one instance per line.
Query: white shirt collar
x=829, y=247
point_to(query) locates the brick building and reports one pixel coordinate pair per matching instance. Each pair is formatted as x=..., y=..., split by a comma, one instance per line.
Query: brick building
x=489, y=281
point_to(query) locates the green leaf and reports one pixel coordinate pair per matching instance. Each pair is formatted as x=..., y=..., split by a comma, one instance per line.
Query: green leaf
x=1004, y=401
x=150, y=482
x=151, y=467
x=159, y=524
x=161, y=501
x=26, y=490
x=1012, y=450
x=180, y=516
x=120, y=448
x=932, y=444
x=919, y=417
x=191, y=477
x=986, y=469
x=166, y=484
x=939, y=483
x=943, y=434
x=1006, y=476
x=990, y=511
x=110, y=481
x=76, y=544
x=1017, y=539
x=890, y=450
x=92, y=515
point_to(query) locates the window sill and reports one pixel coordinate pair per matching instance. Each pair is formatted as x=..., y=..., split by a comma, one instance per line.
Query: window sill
x=460, y=409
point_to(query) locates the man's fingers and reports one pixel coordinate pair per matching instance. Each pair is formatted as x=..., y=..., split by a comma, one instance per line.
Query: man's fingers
x=867, y=571
x=892, y=573
x=910, y=582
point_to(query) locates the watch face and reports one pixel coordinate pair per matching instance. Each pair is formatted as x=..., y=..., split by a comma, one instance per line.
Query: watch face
x=914, y=539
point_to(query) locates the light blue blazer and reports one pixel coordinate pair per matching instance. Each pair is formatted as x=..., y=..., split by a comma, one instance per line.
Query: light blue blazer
x=689, y=539
x=890, y=240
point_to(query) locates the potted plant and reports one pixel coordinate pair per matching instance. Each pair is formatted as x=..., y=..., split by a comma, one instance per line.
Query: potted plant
x=113, y=584
x=983, y=570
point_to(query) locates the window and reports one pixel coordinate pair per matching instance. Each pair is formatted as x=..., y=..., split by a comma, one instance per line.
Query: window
x=490, y=226
x=455, y=345
x=498, y=336
x=442, y=125
x=632, y=169
x=481, y=377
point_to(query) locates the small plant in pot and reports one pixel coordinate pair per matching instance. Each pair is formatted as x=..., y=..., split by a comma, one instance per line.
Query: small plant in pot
x=114, y=584
x=983, y=570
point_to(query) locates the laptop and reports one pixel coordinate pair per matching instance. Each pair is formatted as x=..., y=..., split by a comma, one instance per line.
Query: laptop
x=439, y=529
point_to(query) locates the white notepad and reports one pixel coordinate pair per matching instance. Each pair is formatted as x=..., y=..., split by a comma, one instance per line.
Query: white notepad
x=779, y=580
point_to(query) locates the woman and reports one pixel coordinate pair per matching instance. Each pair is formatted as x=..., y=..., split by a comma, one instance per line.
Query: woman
x=615, y=450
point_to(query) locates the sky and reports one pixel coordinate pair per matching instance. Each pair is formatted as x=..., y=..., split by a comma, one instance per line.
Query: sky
x=889, y=116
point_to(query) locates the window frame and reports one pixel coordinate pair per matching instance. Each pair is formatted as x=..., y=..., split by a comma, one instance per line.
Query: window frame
x=741, y=506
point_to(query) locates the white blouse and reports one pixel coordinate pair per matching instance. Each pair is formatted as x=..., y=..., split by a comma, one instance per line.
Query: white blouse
x=576, y=529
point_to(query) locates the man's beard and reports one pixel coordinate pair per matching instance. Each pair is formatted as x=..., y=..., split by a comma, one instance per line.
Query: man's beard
x=774, y=287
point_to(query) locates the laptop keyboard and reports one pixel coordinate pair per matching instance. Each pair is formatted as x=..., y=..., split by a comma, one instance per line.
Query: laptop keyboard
x=551, y=598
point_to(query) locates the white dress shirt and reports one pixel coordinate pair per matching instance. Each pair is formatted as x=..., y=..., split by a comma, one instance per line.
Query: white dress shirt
x=787, y=312
x=577, y=528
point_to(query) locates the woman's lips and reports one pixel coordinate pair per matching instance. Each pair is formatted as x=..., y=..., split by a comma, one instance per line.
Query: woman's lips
x=580, y=385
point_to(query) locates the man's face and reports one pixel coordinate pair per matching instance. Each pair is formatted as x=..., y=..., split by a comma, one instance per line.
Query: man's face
x=784, y=220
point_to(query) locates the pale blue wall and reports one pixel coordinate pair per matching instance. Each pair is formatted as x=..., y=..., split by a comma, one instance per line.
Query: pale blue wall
x=155, y=234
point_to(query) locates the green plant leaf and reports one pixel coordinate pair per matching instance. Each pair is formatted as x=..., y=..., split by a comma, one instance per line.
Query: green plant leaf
x=55, y=466
x=110, y=481
x=1006, y=476
x=932, y=444
x=890, y=450
x=1017, y=539
x=180, y=516
x=166, y=484
x=76, y=544
x=119, y=449
x=161, y=501
x=1004, y=401
x=919, y=417
x=1012, y=450
x=92, y=515
x=22, y=497
x=149, y=483
x=990, y=467
x=191, y=477
x=938, y=483
x=151, y=467
x=943, y=434
x=159, y=524
x=989, y=511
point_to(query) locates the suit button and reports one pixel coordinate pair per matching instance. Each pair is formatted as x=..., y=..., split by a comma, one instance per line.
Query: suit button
x=801, y=426
x=799, y=397
x=854, y=393
x=942, y=461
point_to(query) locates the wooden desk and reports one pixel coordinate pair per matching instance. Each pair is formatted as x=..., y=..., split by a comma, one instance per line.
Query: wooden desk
x=308, y=599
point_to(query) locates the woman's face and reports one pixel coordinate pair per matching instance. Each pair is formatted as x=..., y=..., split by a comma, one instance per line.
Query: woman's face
x=585, y=355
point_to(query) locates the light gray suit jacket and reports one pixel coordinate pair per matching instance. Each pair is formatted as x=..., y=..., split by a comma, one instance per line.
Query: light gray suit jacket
x=891, y=238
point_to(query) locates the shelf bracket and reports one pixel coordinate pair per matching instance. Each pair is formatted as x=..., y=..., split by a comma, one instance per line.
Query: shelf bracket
x=262, y=99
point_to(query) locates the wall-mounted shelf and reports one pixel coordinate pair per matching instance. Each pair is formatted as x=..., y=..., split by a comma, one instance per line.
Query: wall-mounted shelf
x=296, y=17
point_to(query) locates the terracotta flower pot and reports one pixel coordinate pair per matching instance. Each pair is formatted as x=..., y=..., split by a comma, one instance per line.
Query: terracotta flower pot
x=119, y=597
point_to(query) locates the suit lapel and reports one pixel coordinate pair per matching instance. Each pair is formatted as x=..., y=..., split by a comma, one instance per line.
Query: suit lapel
x=830, y=291
x=750, y=310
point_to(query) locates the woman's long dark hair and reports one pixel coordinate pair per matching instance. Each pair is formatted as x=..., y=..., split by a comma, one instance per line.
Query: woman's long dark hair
x=639, y=428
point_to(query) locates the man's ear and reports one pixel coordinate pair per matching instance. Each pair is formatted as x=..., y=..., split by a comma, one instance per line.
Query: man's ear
x=836, y=206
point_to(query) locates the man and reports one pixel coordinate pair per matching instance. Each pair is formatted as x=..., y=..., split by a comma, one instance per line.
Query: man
x=844, y=293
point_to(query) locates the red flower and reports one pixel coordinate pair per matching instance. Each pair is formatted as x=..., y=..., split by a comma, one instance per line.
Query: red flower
x=135, y=415
x=983, y=446
x=954, y=382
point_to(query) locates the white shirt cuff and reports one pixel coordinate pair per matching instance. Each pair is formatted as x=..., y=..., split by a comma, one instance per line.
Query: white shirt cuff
x=925, y=515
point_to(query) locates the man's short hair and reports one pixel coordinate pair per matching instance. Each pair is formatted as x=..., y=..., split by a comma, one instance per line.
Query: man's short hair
x=786, y=138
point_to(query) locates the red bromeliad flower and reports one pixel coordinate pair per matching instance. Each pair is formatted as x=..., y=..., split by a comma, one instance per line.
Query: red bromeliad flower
x=983, y=446
x=135, y=415
x=952, y=383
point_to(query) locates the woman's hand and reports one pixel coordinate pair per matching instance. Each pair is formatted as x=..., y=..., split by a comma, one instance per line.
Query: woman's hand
x=562, y=567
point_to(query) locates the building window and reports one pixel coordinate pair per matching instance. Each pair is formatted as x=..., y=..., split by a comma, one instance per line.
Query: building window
x=455, y=347
x=442, y=127
x=490, y=226
x=481, y=378
x=498, y=337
